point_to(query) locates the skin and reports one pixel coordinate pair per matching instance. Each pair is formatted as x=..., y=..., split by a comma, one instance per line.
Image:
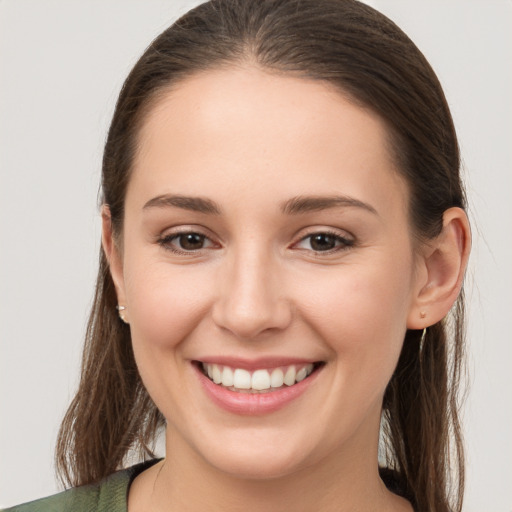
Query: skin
x=251, y=141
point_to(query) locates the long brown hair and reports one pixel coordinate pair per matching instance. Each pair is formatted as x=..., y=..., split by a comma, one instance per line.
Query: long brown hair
x=369, y=59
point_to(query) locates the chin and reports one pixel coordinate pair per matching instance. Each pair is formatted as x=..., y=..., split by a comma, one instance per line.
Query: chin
x=263, y=458
x=262, y=467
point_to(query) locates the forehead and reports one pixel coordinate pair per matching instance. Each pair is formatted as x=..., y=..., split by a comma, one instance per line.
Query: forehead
x=251, y=128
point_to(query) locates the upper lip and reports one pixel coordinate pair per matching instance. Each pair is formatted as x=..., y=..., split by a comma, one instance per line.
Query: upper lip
x=255, y=364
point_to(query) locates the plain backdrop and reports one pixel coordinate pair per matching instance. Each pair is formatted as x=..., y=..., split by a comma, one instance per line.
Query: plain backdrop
x=62, y=63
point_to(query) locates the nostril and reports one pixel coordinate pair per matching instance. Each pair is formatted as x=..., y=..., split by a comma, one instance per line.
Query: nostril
x=248, y=320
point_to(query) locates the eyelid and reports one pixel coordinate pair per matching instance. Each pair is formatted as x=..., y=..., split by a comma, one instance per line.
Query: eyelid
x=167, y=236
x=347, y=242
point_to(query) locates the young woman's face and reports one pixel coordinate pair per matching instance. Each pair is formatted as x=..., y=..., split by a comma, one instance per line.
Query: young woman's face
x=266, y=241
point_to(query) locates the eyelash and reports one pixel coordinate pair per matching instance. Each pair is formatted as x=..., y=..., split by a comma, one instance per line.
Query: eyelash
x=343, y=243
x=166, y=242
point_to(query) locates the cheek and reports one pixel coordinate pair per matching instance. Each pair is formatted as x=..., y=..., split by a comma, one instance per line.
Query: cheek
x=166, y=302
x=361, y=312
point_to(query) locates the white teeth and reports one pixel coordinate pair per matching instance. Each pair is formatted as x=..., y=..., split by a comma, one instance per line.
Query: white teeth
x=242, y=379
x=289, y=376
x=227, y=376
x=216, y=374
x=277, y=378
x=301, y=374
x=259, y=380
x=304, y=372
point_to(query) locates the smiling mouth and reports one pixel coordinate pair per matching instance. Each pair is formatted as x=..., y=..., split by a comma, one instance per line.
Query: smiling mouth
x=265, y=380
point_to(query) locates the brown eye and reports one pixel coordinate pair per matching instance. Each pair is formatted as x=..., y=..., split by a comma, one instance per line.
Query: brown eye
x=186, y=242
x=190, y=241
x=323, y=242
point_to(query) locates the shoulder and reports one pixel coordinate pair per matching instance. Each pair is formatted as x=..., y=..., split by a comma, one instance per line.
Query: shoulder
x=109, y=495
x=79, y=499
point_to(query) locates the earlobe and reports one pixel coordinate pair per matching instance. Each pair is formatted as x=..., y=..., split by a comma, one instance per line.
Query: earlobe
x=112, y=253
x=444, y=265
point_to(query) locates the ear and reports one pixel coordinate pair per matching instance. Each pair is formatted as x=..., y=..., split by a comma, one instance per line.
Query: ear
x=441, y=273
x=114, y=257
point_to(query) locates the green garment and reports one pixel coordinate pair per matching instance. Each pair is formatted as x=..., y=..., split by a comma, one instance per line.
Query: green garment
x=109, y=495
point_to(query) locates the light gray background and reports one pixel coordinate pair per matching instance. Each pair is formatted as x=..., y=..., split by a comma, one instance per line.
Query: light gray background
x=62, y=63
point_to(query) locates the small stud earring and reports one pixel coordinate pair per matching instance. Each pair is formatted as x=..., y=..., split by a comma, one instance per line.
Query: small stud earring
x=121, y=310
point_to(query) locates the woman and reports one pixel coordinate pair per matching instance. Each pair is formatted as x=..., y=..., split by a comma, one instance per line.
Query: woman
x=283, y=238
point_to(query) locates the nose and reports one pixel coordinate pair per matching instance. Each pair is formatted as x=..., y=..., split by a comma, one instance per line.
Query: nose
x=251, y=300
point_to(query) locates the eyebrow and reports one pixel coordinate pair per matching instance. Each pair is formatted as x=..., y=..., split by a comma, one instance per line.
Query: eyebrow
x=303, y=204
x=195, y=204
x=293, y=206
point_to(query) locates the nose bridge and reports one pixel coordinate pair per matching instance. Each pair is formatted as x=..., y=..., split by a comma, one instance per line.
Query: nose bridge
x=252, y=297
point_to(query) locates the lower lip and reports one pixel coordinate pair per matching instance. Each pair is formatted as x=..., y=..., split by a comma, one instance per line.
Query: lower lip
x=252, y=404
